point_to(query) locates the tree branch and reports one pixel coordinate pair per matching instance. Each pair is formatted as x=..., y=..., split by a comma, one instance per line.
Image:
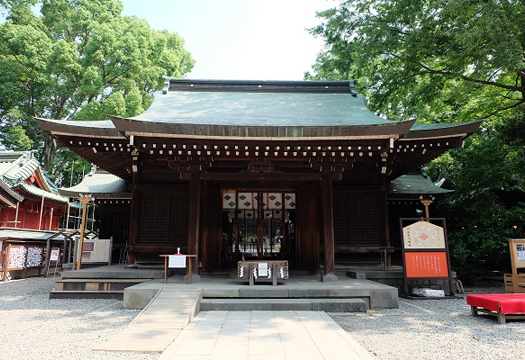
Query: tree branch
x=469, y=79
x=504, y=109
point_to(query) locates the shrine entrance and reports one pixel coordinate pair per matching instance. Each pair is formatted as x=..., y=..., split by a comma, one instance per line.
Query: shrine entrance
x=257, y=224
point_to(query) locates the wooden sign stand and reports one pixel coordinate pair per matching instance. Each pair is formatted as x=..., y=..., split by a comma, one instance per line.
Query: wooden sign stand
x=515, y=282
x=425, y=254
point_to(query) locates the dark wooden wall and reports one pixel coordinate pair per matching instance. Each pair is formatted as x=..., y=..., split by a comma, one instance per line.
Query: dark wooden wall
x=308, y=226
x=359, y=217
x=164, y=217
x=114, y=221
x=211, y=227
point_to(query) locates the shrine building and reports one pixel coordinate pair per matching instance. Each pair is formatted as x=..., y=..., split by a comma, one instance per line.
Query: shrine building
x=231, y=170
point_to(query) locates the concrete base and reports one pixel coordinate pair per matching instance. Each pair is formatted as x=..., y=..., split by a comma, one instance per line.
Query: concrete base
x=194, y=278
x=330, y=278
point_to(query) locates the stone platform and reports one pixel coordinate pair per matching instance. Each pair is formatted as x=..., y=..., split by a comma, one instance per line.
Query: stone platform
x=114, y=272
x=375, y=295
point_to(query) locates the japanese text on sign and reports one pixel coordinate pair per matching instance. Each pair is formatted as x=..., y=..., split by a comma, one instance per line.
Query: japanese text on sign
x=426, y=264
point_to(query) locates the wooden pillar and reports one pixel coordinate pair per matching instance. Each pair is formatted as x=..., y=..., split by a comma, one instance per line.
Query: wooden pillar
x=328, y=224
x=48, y=257
x=194, y=218
x=136, y=207
x=7, y=252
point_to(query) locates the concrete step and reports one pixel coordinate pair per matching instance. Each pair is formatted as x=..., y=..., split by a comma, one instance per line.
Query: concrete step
x=96, y=284
x=75, y=294
x=328, y=305
x=93, y=285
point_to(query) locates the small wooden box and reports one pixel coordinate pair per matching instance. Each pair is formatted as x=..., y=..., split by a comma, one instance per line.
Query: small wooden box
x=262, y=270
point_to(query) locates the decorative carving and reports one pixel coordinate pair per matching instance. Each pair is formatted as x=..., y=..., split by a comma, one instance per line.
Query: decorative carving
x=264, y=167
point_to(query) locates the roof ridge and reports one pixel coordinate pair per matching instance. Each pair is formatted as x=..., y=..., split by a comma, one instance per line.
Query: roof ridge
x=260, y=86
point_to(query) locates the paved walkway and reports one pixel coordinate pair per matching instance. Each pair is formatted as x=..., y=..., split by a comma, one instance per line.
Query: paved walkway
x=260, y=335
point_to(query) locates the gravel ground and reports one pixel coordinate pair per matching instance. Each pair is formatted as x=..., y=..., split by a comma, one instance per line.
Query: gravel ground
x=34, y=327
x=436, y=329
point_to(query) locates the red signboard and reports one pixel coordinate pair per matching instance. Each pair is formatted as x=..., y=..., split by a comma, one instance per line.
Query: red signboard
x=426, y=264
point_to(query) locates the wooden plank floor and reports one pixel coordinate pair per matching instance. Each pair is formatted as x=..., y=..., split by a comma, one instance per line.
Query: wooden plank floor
x=158, y=324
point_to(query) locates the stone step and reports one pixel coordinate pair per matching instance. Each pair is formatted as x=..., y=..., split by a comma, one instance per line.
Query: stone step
x=328, y=305
x=75, y=294
x=96, y=284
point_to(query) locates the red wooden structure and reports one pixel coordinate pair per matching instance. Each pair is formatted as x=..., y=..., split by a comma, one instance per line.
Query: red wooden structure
x=28, y=199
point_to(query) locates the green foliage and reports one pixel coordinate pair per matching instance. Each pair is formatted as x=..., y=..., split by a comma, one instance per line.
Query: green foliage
x=80, y=59
x=410, y=55
x=445, y=61
x=487, y=206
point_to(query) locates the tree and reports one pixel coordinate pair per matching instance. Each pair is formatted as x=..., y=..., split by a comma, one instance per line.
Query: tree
x=446, y=61
x=80, y=59
x=439, y=53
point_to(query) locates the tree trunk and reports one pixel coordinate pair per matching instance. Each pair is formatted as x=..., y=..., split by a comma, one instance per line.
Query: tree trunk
x=49, y=152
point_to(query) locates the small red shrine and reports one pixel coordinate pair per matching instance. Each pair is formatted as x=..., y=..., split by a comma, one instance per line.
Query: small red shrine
x=28, y=198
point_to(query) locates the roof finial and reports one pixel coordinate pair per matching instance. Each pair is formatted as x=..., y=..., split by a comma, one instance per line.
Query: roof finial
x=351, y=85
x=166, y=85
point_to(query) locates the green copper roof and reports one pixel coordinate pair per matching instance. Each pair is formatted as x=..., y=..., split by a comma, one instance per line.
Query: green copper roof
x=260, y=109
x=415, y=184
x=98, y=182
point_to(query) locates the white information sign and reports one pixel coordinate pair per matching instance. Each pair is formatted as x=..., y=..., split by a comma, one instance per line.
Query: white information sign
x=177, y=261
x=263, y=269
x=520, y=249
x=55, y=253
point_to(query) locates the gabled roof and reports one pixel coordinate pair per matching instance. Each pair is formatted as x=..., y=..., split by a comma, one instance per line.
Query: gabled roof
x=230, y=109
x=8, y=196
x=271, y=110
x=209, y=115
x=15, y=170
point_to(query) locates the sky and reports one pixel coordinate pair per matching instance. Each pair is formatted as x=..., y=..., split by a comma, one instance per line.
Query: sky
x=240, y=39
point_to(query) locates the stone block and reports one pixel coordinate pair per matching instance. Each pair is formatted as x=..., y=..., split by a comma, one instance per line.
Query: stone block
x=339, y=305
x=384, y=298
x=138, y=298
x=265, y=292
x=356, y=274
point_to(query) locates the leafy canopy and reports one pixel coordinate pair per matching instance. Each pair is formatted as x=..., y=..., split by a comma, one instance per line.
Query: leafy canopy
x=79, y=59
x=428, y=59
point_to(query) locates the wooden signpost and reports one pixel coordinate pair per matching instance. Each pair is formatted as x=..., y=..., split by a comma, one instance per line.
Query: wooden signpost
x=54, y=257
x=515, y=282
x=425, y=252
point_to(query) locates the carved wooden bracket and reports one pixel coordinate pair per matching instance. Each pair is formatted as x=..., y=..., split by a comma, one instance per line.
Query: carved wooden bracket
x=261, y=167
x=183, y=164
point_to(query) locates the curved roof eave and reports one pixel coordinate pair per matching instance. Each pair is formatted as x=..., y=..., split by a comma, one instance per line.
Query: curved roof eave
x=425, y=131
x=222, y=132
x=93, y=129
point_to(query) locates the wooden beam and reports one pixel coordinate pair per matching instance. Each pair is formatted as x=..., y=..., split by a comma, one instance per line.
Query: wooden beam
x=265, y=176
